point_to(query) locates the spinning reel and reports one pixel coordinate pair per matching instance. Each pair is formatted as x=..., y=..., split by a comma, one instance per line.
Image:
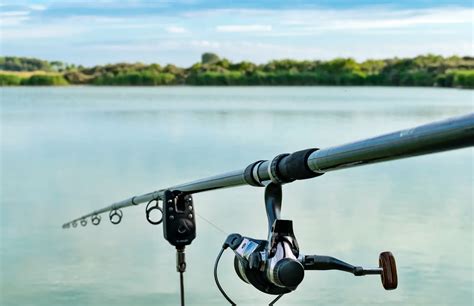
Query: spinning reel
x=275, y=266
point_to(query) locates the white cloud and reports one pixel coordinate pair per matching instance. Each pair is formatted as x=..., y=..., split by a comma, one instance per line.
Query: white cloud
x=244, y=28
x=304, y=22
x=262, y=34
x=13, y=18
x=41, y=32
x=176, y=30
x=14, y=13
x=375, y=19
x=212, y=13
x=37, y=7
x=144, y=47
x=205, y=44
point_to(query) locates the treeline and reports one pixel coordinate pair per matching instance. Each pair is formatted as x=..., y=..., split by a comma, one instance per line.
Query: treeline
x=425, y=70
x=12, y=63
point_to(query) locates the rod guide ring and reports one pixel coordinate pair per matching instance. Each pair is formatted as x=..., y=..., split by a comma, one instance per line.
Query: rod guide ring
x=115, y=213
x=151, y=206
x=95, y=219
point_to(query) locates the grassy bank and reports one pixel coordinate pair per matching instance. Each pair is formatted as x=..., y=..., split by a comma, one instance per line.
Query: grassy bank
x=31, y=78
x=426, y=70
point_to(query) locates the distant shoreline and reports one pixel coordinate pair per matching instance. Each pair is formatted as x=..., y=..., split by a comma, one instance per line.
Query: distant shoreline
x=229, y=86
x=421, y=71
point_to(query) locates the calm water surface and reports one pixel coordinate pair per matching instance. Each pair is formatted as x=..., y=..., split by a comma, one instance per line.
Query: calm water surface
x=67, y=151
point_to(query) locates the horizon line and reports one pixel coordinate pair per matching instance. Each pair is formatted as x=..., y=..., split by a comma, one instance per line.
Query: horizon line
x=248, y=61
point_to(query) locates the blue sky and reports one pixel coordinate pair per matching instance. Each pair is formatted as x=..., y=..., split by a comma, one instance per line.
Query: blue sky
x=107, y=31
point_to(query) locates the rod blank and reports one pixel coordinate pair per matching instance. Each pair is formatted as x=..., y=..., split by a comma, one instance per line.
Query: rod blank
x=430, y=138
x=450, y=134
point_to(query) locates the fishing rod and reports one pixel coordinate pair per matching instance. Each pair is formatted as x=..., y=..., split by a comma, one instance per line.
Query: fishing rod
x=276, y=266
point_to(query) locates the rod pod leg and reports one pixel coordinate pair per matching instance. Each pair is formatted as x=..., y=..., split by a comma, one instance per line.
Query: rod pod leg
x=181, y=268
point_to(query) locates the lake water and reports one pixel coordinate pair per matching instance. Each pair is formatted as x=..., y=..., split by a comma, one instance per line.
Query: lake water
x=68, y=151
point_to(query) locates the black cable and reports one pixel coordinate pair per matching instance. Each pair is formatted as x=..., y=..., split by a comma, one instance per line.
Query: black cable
x=216, y=279
x=275, y=300
x=181, y=285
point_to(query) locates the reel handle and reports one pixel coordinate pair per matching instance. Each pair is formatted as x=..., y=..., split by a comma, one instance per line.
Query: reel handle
x=389, y=274
x=387, y=268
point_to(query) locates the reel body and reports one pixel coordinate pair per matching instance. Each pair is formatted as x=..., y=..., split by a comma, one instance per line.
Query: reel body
x=271, y=267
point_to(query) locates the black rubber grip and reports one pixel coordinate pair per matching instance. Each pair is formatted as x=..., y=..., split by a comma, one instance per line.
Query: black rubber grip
x=248, y=175
x=295, y=166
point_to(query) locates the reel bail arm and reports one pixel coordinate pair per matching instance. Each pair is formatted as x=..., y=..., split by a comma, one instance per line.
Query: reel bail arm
x=273, y=197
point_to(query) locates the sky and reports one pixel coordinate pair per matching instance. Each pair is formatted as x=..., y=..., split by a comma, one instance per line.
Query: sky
x=178, y=32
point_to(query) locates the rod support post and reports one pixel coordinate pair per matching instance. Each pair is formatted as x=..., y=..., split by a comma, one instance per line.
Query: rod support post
x=180, y=260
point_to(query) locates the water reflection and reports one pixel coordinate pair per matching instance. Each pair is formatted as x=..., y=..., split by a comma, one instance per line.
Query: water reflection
x=66, y=151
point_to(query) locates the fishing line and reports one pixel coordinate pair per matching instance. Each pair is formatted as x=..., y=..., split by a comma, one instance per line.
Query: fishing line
x=212, y=224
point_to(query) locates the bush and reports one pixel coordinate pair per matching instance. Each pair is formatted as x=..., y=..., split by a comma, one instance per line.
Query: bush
x=464, y=79
x=417, y=78
x=136, y=79
x=426, y=70
x=9, y=80
x=76, y=77
x=44, y=80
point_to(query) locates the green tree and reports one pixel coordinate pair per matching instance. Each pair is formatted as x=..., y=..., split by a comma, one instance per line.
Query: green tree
x=209, y=58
